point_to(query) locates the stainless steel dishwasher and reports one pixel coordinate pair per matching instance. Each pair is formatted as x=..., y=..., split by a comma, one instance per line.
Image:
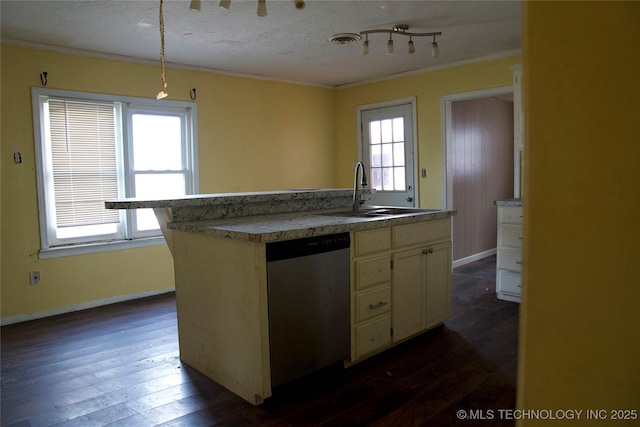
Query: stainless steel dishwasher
x=308, y=289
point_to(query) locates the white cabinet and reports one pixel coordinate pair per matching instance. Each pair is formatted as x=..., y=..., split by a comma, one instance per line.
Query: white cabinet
x=409, y=293
x=509, y=259
x=370, y=292
x=401, y=284
x=438, y=283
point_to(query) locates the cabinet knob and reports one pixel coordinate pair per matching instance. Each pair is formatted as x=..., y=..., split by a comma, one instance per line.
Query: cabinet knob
x=427, y=251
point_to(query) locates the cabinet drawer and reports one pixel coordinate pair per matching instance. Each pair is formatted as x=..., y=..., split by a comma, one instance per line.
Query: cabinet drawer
x=510, y=260
x=372, y=272
x=511, y=235
x=372, y=241
x=508, y=282
x=371, y=304
x=421, y=233
x=372, y=336
x=510, y=214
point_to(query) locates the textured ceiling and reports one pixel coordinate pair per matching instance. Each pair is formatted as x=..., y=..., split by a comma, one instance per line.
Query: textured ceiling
x=288, y=44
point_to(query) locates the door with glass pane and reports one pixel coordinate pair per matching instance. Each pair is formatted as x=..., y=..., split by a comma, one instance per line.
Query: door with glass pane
x=387, y=152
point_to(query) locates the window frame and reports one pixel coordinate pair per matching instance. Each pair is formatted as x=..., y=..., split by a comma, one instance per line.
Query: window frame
x=126, y=237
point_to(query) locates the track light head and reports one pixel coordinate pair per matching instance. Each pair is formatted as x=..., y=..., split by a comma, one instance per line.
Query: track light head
x=390, y=45
x=195, y=5
x=365, y=47
x=262, y=8
x=435, y=51
x=412, y=47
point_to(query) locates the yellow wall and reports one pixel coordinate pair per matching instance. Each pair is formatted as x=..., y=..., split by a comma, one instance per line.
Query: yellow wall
x=580, y=318
x=253, y=135
x=428, y=88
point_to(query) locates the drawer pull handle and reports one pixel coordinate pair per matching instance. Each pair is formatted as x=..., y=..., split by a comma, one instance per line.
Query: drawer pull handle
x=378, y=305
x=519, y=238
x=518, y=262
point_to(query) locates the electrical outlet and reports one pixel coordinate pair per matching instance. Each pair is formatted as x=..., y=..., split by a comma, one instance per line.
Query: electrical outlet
x=35, y=277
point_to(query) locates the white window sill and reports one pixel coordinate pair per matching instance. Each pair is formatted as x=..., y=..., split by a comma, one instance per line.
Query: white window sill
x=117, y=245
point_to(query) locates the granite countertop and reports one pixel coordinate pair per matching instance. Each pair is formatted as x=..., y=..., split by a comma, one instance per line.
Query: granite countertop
x=296, y=225
x=271, y=216
x=509, y=202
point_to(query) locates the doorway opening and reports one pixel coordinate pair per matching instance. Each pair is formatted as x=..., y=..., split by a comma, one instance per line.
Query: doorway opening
x=479, y=167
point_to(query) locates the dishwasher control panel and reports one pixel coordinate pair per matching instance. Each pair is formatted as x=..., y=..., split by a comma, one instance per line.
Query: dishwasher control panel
x=307, y=246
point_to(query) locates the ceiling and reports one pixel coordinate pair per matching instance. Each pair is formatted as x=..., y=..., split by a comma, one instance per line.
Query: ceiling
x=288, y=44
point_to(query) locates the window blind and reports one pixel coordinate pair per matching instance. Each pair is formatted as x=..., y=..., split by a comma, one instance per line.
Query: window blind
x=85, y=170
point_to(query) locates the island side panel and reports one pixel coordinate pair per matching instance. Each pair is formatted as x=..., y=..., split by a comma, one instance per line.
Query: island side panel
x=163, y=215
x=221, y=295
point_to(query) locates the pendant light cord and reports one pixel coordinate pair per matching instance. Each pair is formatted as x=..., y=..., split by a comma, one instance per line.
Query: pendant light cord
x=164, y=77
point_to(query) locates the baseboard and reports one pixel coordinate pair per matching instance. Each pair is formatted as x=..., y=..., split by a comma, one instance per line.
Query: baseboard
x=82, y=306
x=462, y=261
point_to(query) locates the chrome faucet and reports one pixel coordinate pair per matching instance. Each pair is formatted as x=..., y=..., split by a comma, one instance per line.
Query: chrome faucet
x=357, y=199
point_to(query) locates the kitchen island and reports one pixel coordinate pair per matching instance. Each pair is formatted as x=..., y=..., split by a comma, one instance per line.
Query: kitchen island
x=219, y=242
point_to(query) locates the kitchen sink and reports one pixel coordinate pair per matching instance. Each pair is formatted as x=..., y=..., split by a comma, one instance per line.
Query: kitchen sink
x=379, y=212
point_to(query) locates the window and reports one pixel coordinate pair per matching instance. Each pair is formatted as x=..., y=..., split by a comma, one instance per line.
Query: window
x=91, y=148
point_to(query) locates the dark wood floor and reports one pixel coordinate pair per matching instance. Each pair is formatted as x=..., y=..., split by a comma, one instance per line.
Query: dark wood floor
x=119, y=365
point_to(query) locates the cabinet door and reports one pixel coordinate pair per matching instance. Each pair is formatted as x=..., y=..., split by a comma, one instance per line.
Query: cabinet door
x=438, y=283
x=409, y=277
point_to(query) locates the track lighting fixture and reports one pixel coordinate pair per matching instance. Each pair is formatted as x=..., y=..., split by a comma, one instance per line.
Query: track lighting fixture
x=400, y=29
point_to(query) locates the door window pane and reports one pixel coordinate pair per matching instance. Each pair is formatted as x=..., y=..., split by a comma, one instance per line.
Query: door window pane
x=386, y=147
x=374, y=132
x=387, y=130
x=399, y=179
x=387, y=155
x=398, y=154
x=398, y=129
